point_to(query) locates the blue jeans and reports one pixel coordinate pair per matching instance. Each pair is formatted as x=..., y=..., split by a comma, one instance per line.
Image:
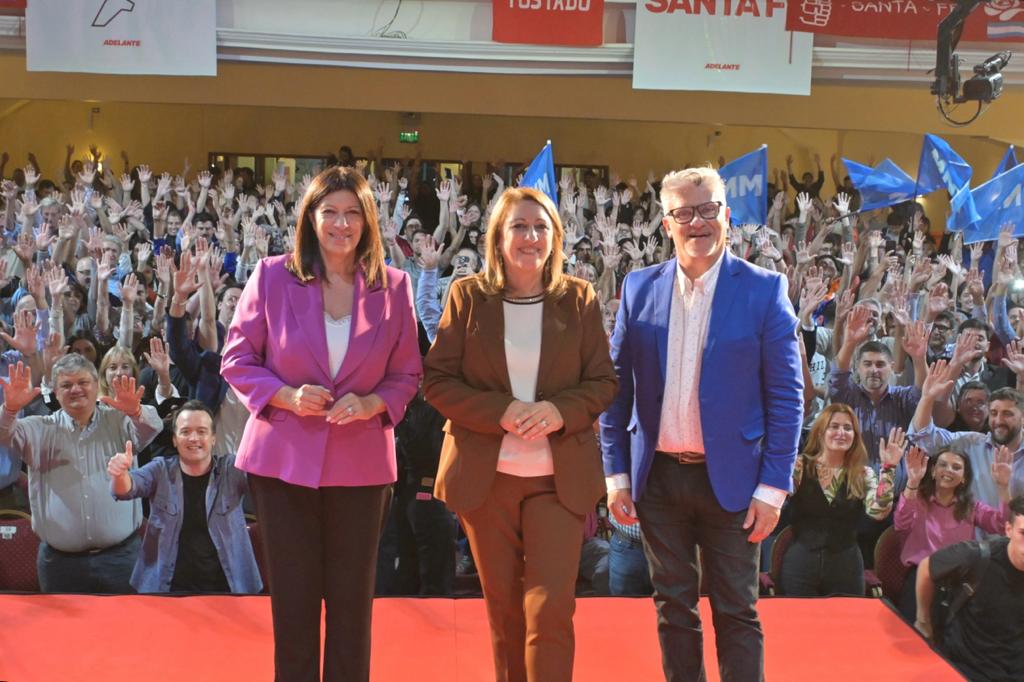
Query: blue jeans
x=106, y=572
x=627, y=567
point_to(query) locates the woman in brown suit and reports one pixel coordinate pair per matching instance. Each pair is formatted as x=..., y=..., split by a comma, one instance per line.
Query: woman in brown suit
x=520, y=368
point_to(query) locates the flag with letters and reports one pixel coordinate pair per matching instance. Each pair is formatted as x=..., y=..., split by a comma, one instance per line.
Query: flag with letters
x=884, y=185
x=941, y=167
x=541, y=174
x=999, y=201
x=746, y=187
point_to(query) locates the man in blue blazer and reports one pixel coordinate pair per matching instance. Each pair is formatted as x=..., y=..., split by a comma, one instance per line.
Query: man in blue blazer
x=704, y=431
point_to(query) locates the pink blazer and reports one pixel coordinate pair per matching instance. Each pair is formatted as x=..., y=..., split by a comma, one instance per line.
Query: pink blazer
x=278, y=338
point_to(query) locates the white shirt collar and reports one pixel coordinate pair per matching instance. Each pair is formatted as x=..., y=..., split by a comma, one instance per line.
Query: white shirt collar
x=703, y=284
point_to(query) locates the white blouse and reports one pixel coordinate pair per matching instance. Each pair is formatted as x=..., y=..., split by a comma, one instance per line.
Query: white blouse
x=337, y=340
x=523, y=325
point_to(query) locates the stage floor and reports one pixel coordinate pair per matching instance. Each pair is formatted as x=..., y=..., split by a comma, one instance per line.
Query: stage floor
x=72, y=638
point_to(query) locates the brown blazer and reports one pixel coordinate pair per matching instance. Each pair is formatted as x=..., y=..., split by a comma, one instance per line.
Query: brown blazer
x=466, y=379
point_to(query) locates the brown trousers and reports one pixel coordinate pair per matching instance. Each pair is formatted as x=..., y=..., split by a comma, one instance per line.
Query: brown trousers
x=527, y=550
x=320, y=545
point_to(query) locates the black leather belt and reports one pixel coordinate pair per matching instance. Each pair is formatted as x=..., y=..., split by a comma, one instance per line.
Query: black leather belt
x=684, y=457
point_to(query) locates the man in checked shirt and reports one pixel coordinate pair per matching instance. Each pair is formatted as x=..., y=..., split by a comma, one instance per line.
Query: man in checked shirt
x=89, y=540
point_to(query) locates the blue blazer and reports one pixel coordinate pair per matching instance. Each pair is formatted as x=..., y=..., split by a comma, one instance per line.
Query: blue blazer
x=751, y=384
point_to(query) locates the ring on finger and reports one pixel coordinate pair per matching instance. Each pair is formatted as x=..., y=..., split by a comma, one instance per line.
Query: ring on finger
x=350, y=411
x=544, y=423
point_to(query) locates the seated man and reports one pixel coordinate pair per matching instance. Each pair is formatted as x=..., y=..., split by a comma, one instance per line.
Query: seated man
x=985, y=637
x=196, y=540
x=89, y=542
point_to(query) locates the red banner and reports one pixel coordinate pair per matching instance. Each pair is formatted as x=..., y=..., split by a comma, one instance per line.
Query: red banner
x=12, y=4
x=904, y=19
x=549, y=22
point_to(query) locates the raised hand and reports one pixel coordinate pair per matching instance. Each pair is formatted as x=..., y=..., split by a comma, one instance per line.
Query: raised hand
x=127, y=398
x=915, y=340
x=120, y=463
x=842, y=203
x=186, y=276
x=130, y=289
x=966, y=349
x=88, y=174
x=157, y=357
x=430, y=253
x=858, y=325
x=444, y=191
x=127, y=184
x=1014, y=360
x=384, y=193
x=19, y=391
x=57, y=282
x=1006, y=234
x=31, y=177
x=811, y=297
x=891, y=451
x=1002, y=467
x=145, y=174
x=803, y=203
x=205, y=179
x=26, y=327
x=938, y=383
x=106, y=268
x=917, y=466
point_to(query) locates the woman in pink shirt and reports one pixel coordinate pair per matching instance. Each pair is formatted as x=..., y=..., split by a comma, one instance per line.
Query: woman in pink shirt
x=937, y=509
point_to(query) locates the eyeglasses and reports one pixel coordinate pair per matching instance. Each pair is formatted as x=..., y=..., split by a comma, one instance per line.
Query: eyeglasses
x=462, y=260
x=684, y=215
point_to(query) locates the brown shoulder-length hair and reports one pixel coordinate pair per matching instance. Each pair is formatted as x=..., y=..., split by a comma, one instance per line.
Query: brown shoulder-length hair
x=493, y=279
x=963, y=499
x=856, y=458
x=306, y=262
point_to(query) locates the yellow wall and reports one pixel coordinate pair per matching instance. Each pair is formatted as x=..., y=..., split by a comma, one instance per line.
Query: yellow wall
x=292, y=110
x=163, y=134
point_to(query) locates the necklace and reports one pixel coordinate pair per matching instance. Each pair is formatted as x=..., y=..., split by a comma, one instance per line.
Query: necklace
x=523, y=300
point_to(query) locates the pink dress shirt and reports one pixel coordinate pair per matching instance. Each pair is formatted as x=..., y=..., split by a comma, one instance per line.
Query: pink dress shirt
x=929, y=527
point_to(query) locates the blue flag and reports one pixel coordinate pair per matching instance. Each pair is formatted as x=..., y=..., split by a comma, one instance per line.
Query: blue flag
x=1008, y=162
x=942, y=168
x=999, y=201
x=541, y=174
x=746, y=187
x=884, y=185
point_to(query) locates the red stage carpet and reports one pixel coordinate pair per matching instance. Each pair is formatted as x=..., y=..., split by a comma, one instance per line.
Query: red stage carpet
x=57, y=638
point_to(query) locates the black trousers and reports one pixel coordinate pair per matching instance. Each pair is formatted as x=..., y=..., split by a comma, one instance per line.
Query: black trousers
x=320, y=544
x=679, y=513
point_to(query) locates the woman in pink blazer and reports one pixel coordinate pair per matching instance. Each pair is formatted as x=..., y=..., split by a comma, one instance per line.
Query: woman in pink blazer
x=323, y=351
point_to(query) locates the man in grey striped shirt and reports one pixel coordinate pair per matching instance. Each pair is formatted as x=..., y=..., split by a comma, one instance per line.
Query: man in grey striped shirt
x=89, y=540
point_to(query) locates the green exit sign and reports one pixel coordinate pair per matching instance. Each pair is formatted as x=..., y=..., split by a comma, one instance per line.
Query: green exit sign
x=409, y=136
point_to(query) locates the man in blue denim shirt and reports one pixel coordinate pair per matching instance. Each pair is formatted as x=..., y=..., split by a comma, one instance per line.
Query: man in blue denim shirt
x=196, y=540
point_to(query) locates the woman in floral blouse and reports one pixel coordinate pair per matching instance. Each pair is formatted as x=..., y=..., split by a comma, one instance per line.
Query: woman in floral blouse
x=835, y=487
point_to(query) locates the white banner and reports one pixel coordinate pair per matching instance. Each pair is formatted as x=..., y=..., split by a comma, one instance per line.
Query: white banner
x=161, y=37
x=719, y=45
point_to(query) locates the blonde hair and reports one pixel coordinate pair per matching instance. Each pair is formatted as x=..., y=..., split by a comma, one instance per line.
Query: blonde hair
x=493, y=277
x=856, y=458
x=701, y=175
x=115, y=354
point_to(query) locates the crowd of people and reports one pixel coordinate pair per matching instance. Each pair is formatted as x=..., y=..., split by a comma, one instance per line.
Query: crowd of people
x=157, y=325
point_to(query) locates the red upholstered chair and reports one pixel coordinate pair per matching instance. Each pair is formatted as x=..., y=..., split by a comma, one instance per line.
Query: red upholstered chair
x=888, y=568
x=18, y=548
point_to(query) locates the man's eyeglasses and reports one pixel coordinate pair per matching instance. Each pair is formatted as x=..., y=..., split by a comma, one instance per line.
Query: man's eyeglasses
x=684, y=215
